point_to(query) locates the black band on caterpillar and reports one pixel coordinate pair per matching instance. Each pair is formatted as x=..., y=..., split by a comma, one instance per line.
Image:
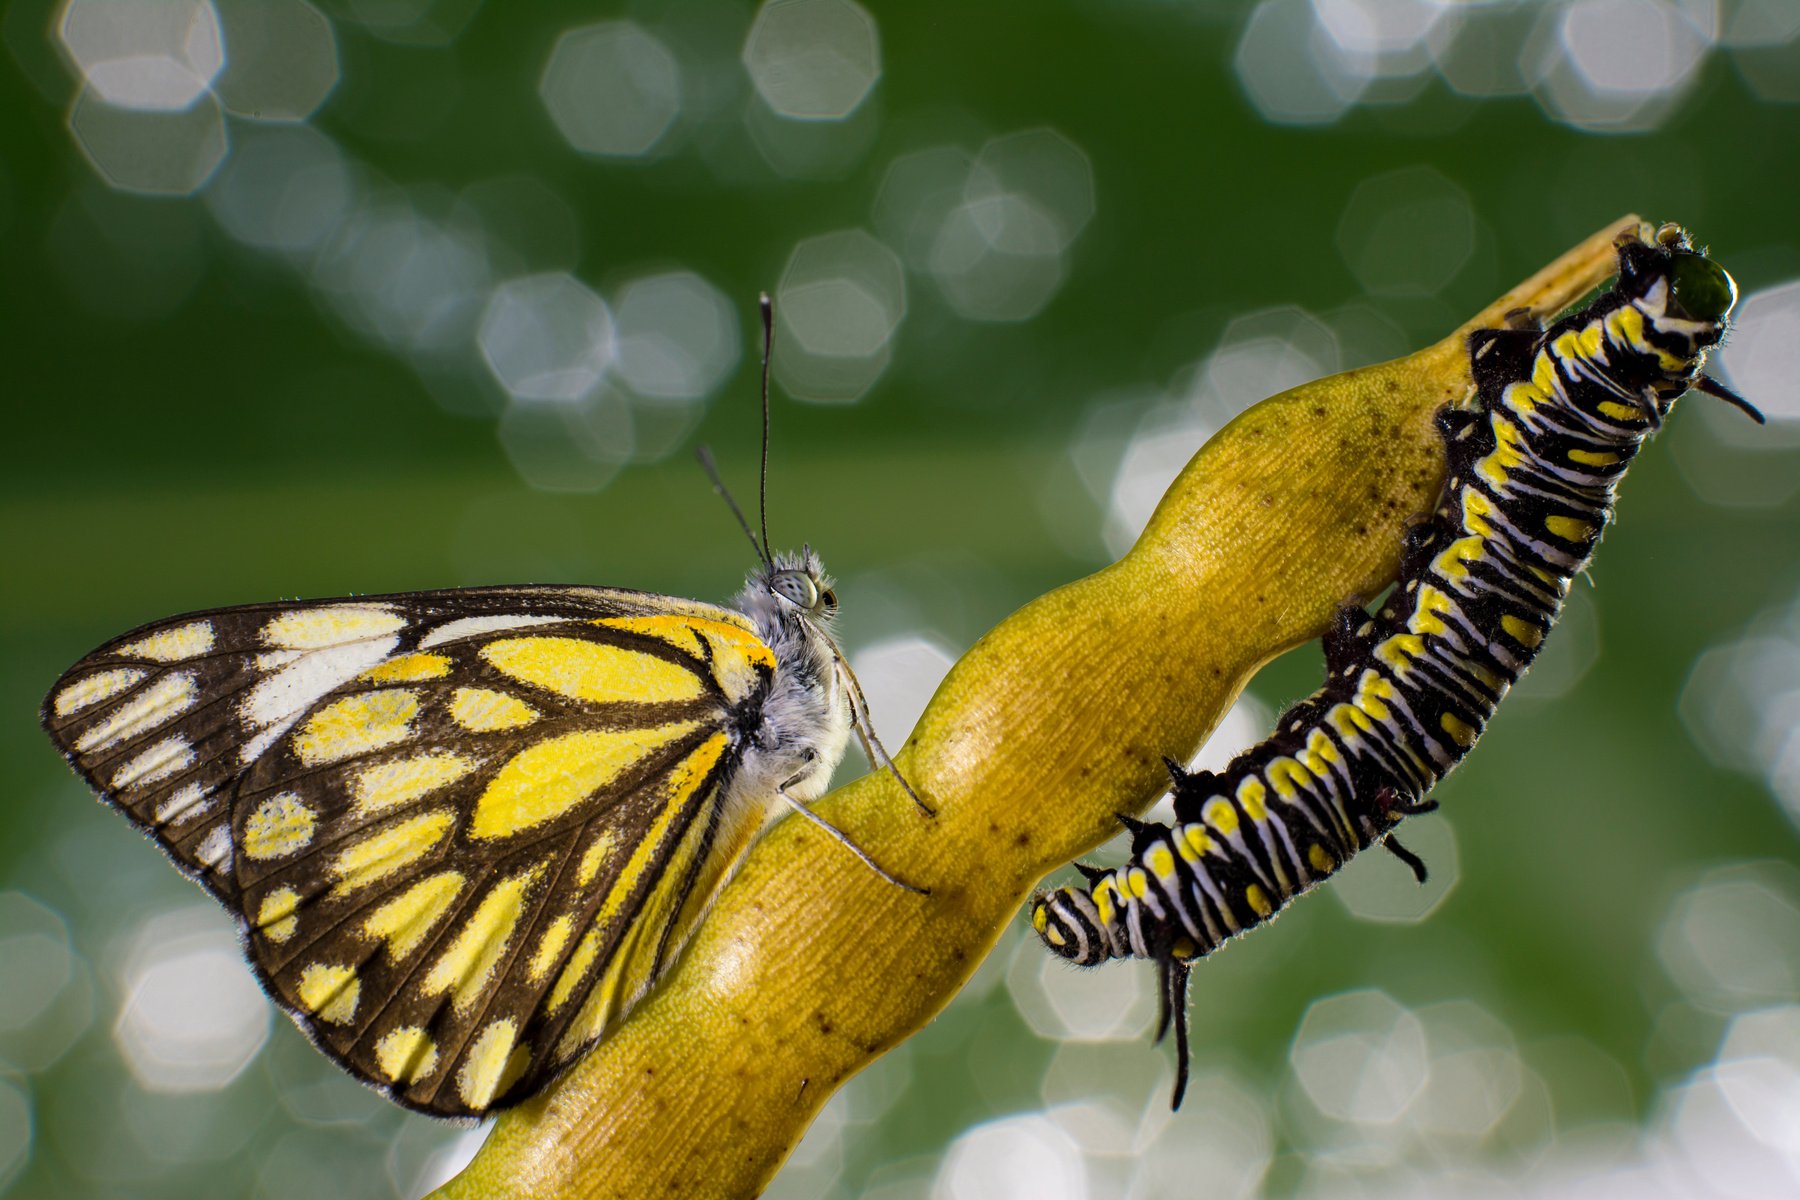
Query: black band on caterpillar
x=1559, y=414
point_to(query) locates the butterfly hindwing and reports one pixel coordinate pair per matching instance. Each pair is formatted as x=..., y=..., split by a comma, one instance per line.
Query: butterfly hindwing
x=463, y=829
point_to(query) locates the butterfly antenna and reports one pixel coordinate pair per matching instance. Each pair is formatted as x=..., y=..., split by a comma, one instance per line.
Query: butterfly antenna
x=705, y=455
x=767, y=308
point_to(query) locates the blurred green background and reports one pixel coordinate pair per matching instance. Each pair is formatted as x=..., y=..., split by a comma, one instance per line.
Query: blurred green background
x=376, y=295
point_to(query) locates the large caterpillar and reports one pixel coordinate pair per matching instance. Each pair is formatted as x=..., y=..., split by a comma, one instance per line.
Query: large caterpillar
x=1559, y=414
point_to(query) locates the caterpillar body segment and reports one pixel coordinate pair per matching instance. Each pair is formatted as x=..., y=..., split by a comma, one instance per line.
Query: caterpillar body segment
x=1558, y=416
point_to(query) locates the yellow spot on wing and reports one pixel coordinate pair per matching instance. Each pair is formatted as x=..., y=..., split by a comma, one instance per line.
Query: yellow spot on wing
x=482, y=710
x=330, y=992
x=409, y=668
x=684, y=782
x=382, y=853
x=280, y=826
x=492, y=1065
x=172, y=645
x=548, y=779
x=593, y=671
x=385, y=785
x=550, y=946
x=467, y=965
x=312, y=628
x=739, y=659
x=406, y=1055
x=404, y=921
x=275, y=916
x=575, y=970
x=356, y=725
x=595, y=856
x=91, y=689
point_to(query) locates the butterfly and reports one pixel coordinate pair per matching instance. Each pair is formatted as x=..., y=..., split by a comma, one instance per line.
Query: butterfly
x=465, y=831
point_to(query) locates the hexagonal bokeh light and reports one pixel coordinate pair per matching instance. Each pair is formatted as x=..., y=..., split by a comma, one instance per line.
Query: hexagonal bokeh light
x=1406, y=232
x=1067, y=1003
x=1731, y=942
x=569, y=444
x=1360, y=1057
x=157, y=152
x=1378, y=887
x=1287, y=68
x=899, y=674
x=841, y=299
x=813, y=60
x=1000, y=252
x=612, y=88
x=1024, y=1157
x=677, y=337
x=153, y=55
x=547, y=337
x=1615, y=64
x=1762, y=356
x=193, y=1016
x=286, y=189
x=281, y=61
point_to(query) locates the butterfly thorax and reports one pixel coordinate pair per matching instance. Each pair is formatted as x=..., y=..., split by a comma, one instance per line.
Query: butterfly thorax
x=805, y=718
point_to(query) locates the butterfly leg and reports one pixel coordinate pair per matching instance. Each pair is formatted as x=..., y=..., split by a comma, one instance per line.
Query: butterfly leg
x=843, y=838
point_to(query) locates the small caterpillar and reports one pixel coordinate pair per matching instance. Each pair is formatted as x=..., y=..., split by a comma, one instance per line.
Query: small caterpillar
x=1559, y=414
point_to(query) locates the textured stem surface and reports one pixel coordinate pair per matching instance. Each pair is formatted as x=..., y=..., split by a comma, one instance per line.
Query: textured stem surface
x=809, y=967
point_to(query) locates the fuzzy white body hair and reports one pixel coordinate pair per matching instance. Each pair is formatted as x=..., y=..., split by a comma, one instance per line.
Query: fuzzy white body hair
x=805, y=724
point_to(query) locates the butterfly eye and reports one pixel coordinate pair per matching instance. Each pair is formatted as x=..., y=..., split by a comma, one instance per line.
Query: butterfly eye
x=796, y=587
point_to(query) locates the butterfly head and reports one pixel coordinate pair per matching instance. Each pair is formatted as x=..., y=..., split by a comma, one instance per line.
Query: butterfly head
x=798, y=584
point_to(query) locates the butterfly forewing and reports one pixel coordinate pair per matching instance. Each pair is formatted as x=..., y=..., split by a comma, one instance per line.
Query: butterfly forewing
x=463, y=829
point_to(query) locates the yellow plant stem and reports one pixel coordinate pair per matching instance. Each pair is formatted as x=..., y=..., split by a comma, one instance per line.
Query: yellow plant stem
x=809, y=966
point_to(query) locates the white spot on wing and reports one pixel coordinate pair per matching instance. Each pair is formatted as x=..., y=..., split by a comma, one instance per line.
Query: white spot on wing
x=216, y=848
x=274, y=660
x=91, y=689
x=172, y=645
x=316, y=628
x=189, y=802
x=163, y=700
x=273, y=705
x=464, y=627
x=160, y=761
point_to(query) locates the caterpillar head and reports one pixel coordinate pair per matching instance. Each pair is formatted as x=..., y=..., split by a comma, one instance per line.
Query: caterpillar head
x=1685, y=297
